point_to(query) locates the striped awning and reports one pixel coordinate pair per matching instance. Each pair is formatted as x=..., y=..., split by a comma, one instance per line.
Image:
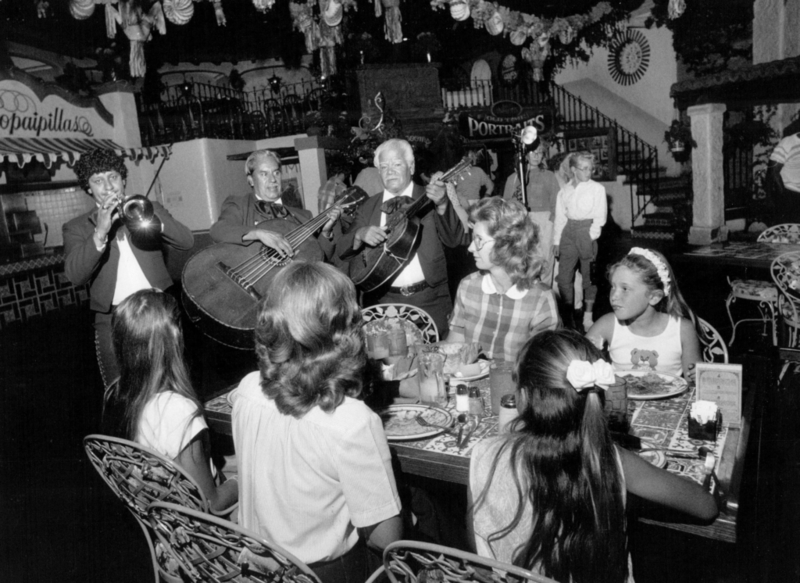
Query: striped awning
x=48, y=150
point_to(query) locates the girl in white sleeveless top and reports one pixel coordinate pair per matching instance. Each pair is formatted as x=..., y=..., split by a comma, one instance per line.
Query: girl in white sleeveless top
x=651, y=327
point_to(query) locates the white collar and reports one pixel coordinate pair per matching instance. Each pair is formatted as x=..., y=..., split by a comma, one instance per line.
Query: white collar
x=488, y=287
x=407, y=192
x=279, y=201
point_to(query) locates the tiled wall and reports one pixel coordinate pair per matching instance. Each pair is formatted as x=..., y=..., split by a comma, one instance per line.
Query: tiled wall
x=56, y=207
x=35, y=291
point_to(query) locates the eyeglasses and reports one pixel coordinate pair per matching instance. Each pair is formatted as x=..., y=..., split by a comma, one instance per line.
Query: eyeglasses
x=480, y=243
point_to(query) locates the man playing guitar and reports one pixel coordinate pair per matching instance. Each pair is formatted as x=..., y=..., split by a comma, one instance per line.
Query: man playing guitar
x=422, y=282
x=241, y=213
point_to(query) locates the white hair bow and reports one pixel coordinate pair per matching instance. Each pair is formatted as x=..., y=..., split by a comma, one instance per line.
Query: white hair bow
x=582, y=374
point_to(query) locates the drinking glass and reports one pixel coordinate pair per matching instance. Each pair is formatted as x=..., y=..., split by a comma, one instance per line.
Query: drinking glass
x=431, y=378
x=616, y=405
x=500, y=382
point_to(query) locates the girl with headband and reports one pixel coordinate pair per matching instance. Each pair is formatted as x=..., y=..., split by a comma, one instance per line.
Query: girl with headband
x=550, y=496
x=651, y=327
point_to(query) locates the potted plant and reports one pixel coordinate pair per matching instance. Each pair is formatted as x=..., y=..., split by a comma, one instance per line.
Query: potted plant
x=679, y=138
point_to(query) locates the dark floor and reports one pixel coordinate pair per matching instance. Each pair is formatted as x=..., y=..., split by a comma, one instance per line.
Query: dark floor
x=61, y=523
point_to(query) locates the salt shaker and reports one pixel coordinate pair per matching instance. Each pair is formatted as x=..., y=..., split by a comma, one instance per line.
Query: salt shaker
x=508, y=412
x=462, y=398
x=475, y=401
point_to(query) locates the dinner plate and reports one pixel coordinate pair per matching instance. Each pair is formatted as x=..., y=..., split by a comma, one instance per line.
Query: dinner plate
x=400, y=424
x=649, y=385
x=484, y=364
x=656, y=457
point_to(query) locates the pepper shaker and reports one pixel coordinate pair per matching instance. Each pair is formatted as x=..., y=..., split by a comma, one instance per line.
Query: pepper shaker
x=508, y=412
x=475, y=402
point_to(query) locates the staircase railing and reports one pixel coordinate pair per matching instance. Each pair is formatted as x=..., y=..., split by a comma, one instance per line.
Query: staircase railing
x=637, y=159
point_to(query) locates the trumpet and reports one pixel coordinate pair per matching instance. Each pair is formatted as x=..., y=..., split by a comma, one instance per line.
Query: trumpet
x=137, y=213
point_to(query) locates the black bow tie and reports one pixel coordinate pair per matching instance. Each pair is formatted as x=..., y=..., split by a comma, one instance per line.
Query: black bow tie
x=272, y=209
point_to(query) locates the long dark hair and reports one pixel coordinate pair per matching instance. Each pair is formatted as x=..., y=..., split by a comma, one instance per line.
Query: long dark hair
x=308, y=339
x=148, y=344
x=563, y=461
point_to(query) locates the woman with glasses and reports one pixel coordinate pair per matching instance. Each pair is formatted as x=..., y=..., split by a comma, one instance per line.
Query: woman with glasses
x=504, y=303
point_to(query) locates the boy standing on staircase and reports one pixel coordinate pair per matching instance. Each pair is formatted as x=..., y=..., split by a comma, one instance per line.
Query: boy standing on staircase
x=581, y=212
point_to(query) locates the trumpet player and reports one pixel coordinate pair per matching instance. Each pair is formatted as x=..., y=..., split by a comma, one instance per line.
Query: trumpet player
x=101, y=251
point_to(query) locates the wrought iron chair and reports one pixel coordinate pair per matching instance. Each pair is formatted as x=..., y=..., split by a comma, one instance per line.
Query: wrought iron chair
x=201, y=547
x=764, y=293
x=413, y=562
x=418, y=317
x=785, y=270
x=139, y=476
x=713, y=345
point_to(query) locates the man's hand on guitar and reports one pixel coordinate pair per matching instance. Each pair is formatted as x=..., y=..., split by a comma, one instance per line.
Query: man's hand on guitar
x=272, y=240
x=437, y=193
x=334, y=214
x=372, y=236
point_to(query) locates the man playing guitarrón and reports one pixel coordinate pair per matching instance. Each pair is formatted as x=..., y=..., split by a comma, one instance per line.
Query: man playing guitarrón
x=241, y=214
x=422, y=282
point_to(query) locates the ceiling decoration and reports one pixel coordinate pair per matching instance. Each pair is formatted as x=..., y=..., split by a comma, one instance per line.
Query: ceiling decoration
x=628, y=56
x=569, y=22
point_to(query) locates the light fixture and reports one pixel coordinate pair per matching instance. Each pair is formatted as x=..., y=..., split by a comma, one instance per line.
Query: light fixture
x=528, y=135
x=275, y=83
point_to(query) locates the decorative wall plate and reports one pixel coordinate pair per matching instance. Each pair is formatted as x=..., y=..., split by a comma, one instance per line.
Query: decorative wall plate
x=628, y=56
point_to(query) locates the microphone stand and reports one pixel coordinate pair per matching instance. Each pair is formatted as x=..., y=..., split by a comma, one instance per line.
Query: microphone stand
x=521, y=171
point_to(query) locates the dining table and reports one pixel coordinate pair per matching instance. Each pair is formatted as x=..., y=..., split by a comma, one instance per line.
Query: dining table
x=747, y=254
x=661, y=423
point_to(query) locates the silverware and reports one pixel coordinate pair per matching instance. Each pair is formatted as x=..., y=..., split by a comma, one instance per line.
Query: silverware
x=425, y=423
x=473, y=422
x=461, y=419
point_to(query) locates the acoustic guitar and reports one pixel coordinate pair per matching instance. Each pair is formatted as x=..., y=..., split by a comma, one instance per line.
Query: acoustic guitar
x=374, y=266
x=223, y=283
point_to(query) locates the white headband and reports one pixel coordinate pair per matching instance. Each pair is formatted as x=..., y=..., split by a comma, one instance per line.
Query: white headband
x=583, y=374
x=661, y=268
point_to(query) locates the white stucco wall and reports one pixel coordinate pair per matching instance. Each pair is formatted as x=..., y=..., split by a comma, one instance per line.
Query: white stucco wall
x=644, y=107
x=651, y=92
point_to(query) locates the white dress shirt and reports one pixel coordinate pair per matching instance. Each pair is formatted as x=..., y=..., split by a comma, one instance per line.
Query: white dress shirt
x=411, y=273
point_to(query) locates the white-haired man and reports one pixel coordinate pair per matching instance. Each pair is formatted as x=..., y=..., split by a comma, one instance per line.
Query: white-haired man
x=423, y=280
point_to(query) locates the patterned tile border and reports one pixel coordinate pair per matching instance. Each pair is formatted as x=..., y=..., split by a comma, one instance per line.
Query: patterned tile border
x=37, y=289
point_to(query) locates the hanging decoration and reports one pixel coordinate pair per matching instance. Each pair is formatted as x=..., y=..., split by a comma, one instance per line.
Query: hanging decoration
x=263, y=5
x=218, y=13
x=322, y=32
x=392, y=26
x=137, y=26
x=523, y=28
x=675, y=8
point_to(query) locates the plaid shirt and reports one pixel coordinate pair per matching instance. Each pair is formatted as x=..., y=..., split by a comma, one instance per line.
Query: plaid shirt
x=501, y=323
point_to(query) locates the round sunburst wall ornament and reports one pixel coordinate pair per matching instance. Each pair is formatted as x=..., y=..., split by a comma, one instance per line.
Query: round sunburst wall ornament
x=628, y=57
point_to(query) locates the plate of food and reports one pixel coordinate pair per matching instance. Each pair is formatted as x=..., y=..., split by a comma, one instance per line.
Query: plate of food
x=400, y=421
x=651, y=454
x=470, y=372
x=648, y=385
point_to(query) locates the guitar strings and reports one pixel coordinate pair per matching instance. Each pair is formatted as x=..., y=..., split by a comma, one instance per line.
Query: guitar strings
x=254, y=268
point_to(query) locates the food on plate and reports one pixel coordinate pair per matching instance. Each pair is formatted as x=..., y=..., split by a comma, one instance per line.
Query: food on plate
x=457, y=356
x=402, y=422
x=650, y=384
x=468, y=370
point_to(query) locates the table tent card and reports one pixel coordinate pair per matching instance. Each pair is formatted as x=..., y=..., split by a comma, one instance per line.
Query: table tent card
x=722, y=384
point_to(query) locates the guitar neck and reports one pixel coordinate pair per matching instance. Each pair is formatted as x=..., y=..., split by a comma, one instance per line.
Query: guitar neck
x=420, y=203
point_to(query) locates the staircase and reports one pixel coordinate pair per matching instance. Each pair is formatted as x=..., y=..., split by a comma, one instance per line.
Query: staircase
x=661, y=201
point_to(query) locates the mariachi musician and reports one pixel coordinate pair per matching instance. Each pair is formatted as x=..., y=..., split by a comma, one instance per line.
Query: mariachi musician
x=422, y=282
x=115, y=260
x=241, y=213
